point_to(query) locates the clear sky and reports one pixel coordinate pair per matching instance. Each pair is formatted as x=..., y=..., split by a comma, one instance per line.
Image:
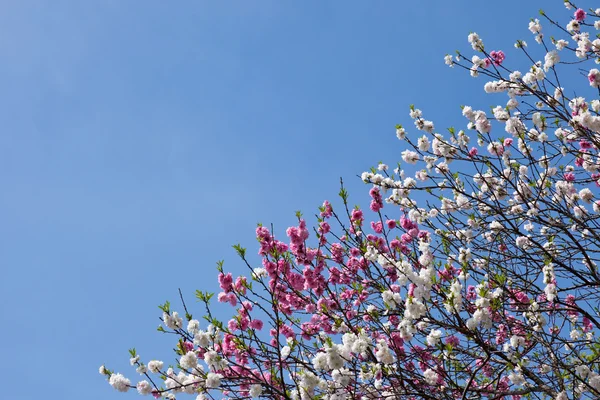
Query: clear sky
x=141, y=139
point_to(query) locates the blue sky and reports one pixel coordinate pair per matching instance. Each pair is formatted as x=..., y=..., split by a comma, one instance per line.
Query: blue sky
x=140, y=140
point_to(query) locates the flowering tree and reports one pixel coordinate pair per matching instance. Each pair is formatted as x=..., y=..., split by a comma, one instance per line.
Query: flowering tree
x=472, y=275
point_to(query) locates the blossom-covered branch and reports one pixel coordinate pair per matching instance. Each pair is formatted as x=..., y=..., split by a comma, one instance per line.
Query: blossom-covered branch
x=472, y=274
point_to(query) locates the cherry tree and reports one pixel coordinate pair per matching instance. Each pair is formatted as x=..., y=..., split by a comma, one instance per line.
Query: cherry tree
x=472, y=274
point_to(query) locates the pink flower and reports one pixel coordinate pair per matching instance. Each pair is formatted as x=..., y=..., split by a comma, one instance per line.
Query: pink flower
x=452, y=340
x=357, y=216
x=377, y=226
x=497, y=57
x=473, y=152
x=240, y=284
x=495, y=148
x=226, y=282
x=407, y=223
x=377, y=202
x=508, y=142
x=256, y=324
x=579, y=14
x=233, y=325
x=327, y=210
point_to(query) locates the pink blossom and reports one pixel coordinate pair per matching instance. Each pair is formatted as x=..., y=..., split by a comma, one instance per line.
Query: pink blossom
x=452, y=340
x=233, y=325
x=256, y=324
x=327, y=210
x=497, y=57
x=226, y=282
x=357, y=216
x=579, y=15
x=377, y=226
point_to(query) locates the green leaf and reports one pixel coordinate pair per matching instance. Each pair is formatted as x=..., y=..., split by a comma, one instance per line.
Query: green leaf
x=240, y=250
x=165, y=307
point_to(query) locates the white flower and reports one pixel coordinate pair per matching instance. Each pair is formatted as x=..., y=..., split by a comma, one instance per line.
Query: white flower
x=516, y=378
x=102, y=370
x=256, y=390
x=415, y=113
x=561, y=44
x=562, y=396
x=334, y=359
x=119, y=382
x=400, y=133
x=155, y=366
x=476, y=42
x=448, y=60
x=535, y=27
x=410, y=157
x=573, y=26
x=522, y=242
x=285, y=352
x=173, y=321
x=189, y=360
x=423, y=143
x=430, y=376
x=586, y=195
x=211, y=358
x=213, y=380
x=520, y=44
x=383, y=353
x=193, y=326
x=594, y=77
x=551, y=59
x=595, y=382
x=516, y=341
x=320, y=361
x=144, y=388
x=496, y=226
x=434, y=337
x=142, y=369
x=583, y=371
x=202, y=339
x=259, y=273
x=390, y=298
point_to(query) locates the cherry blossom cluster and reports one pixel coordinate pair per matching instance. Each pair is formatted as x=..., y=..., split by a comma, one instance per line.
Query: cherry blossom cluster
x=472, y=274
